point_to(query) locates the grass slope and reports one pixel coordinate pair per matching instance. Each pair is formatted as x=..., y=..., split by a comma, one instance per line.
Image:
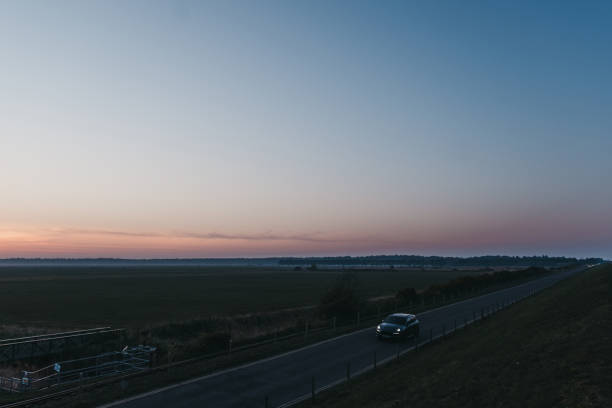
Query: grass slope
x=554, y=349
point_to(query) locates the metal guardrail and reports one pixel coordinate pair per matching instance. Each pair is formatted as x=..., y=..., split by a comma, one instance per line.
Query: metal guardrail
x=46, y=336
x=45, y=344
x=131, y=359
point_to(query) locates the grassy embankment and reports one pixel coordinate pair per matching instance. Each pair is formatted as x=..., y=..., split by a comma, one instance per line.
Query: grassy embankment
x=551, y=350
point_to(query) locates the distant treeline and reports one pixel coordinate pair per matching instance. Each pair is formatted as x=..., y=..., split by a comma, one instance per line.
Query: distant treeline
x=139, y=262
x=441, y=261
x=466, y=284
x=373, y=260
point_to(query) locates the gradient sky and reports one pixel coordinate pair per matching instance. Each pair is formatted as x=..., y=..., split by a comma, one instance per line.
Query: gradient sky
x=264, y=128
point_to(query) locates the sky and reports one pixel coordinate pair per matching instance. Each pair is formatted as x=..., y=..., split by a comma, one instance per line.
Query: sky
x=163, y=129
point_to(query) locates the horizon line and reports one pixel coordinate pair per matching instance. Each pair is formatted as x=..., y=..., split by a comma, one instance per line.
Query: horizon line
x=285, y=257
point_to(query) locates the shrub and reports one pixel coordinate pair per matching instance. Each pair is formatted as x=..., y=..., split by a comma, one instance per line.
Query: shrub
x=342, y=300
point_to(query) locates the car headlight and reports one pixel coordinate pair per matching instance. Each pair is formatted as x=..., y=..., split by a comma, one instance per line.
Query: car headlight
x=378, y=327
x=398, y=330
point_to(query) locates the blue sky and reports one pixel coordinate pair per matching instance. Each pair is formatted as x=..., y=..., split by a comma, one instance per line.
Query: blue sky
x=149, y=128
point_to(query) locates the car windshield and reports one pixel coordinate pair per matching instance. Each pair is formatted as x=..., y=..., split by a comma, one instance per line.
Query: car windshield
x=395, y=320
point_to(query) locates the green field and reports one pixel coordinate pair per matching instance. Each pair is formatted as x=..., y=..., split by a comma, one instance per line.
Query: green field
x=76, y=297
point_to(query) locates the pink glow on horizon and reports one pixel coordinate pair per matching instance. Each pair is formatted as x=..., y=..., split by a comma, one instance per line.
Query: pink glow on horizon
x=524, y=238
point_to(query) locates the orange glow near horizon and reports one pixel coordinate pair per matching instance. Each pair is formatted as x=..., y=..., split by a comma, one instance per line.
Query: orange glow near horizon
x=82, y=243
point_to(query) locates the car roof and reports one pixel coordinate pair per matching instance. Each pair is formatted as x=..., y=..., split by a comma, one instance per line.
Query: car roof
x=402, y=315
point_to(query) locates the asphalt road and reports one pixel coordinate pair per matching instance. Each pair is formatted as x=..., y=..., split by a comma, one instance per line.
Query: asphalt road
x=287, y=378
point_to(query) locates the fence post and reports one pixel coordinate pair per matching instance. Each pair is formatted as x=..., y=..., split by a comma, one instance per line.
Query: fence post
x=430, y=335
x=306, y=329
x=375, y=359
x=334, y=323
x=229, y=351
x=358, y=319
x=313, y=389
x=443, y=331
x=348, y=371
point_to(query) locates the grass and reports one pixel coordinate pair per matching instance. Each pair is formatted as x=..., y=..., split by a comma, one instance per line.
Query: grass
x=77, y=297
x=554, y=349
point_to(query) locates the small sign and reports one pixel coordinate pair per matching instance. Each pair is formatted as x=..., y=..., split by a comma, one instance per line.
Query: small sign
x=57, y=367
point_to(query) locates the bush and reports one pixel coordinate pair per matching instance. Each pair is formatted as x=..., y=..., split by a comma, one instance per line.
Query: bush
x=407, y=295
x=342, y=300
x=466, y=284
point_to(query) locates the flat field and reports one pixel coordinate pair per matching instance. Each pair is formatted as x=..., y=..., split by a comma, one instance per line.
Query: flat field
x=76, y=297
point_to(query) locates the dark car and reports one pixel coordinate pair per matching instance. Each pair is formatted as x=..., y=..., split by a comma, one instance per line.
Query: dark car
x=398, y=326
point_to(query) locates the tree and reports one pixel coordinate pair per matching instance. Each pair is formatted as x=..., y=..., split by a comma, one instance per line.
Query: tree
x=342, y=300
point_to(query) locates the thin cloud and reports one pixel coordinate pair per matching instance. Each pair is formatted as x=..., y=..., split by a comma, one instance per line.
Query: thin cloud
x=255, y=237
x=109, y=232
x=197, y=235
